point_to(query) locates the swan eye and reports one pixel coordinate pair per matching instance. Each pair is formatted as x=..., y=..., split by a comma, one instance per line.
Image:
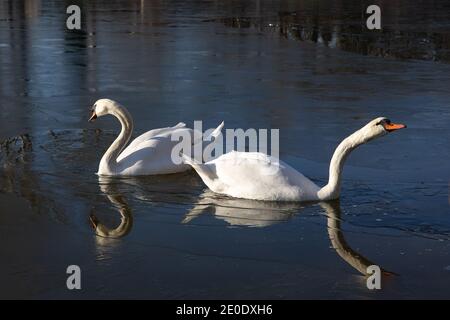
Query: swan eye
x=384, y=121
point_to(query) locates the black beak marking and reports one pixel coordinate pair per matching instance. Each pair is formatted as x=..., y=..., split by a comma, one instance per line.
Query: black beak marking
x=94, y=221
x=93, y=116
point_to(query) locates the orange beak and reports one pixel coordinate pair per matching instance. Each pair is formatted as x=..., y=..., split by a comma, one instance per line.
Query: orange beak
x=93, y=116
x=393, y=126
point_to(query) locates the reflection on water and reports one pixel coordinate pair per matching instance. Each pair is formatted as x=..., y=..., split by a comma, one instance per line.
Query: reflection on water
x=250, y=213
x=107, y=186
x=236, y=212
x=406, y=33
x=338, y=242
x=241, y=212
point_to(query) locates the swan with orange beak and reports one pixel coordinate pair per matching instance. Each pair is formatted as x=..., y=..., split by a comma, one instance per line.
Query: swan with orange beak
x=257, y=176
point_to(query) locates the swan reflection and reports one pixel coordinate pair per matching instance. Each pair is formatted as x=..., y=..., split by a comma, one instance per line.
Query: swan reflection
x=108, y=187
x=237, y=212
x=250, y=213
x=242, y=212
x=340, y=245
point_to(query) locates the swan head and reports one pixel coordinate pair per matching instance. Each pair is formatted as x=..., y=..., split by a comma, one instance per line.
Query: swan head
x=377, y=128
x=102, y=107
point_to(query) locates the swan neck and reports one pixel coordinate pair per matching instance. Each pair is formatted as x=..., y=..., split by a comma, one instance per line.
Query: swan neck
x=332, y=189
x=109, y=160
x=126, y=220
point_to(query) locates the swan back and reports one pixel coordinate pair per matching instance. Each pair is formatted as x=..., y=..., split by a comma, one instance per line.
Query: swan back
x=254, y=175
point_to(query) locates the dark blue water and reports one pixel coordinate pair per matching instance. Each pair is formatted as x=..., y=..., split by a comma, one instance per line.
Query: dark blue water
x=308, y=68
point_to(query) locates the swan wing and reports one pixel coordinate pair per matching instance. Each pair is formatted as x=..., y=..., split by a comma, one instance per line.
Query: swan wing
x=141, y=141
x=150, y=157
x=152, y=139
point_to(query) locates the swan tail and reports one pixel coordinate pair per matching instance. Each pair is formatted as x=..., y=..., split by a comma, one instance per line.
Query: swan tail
x=203, y=170
x=179, y=125
x=216, y=131
x=195, y=212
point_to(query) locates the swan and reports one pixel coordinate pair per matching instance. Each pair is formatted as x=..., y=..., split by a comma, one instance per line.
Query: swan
x=257, y=176
x=148, y=154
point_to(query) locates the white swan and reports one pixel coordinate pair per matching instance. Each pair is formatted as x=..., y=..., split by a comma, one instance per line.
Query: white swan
x=253, y=175
x=148, y=154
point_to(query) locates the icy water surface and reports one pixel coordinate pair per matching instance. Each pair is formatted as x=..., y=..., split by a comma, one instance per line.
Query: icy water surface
x=306, y=67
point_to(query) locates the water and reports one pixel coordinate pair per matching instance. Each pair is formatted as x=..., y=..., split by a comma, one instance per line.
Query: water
x=253, y=64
